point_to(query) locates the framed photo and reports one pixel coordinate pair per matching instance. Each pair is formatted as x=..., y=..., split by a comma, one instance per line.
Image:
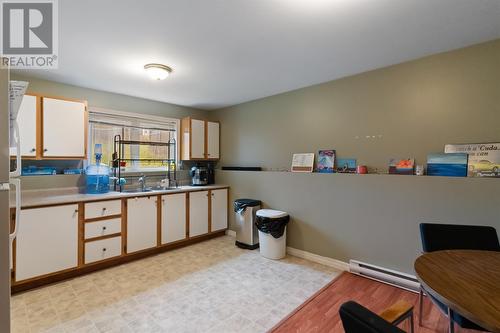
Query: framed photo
x=401, y=167
x=484, y=158
x=450, y=165
x=303, y=162
x=326, y=161
x=346, y=165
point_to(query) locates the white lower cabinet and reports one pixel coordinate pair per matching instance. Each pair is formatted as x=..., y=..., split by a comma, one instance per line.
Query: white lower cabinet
x=198, y=213
x=103, y=249
x=47, y=241
x=141, y=223
x=219, y=209
x=173, y=217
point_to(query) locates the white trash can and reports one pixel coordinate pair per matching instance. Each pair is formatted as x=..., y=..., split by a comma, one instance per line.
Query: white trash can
x=271, y=247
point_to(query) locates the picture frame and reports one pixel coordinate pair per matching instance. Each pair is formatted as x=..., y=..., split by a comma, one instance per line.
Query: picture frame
x=326, y=161
x=303, y=162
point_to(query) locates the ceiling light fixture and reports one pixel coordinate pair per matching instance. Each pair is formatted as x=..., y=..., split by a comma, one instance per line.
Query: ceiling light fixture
x=157, y=71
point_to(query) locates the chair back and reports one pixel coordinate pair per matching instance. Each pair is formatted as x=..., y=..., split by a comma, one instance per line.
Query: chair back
x=436, y=237
x=358, y=319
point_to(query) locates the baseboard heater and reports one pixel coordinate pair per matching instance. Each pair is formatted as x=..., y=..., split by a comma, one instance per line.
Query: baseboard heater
x=385, y=275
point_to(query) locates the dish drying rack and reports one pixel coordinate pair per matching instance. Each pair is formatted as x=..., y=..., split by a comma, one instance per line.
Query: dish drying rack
x=119, y=152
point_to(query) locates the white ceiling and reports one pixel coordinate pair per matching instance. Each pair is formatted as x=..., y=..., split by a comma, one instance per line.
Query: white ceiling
x=225, y=52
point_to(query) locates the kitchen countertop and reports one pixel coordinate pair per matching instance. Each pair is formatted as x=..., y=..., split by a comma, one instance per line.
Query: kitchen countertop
x=56, y=196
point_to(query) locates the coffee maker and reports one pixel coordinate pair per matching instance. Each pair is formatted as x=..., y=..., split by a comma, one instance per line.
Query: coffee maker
x=202, y=174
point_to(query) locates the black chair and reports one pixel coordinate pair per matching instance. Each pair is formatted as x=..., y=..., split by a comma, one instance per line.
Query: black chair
x=358, y=319
x=437, y=237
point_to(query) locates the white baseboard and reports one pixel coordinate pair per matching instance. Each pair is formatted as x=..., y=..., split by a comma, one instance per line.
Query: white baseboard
x=330, y=262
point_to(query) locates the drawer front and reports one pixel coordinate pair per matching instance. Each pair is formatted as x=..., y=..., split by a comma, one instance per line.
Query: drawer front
x=102, y=209
x=102, y=228
x=103, y=249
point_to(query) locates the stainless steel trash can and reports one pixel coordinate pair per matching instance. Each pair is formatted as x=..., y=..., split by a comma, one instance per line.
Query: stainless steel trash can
x=247, y=235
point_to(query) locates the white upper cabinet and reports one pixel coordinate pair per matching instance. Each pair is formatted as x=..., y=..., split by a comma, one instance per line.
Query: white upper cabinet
x=142, y=225
x=26, y=119
x=173, y=217
x=213, y=139
x=200, y=139
x=197, y=139
x=198, y=213
x=219, y=209
x=64, y=128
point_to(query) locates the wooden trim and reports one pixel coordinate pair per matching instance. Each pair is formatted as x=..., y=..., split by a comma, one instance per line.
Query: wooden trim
x=57, y=97
x=103, y=218
x=42, y=277
x=228, y=208
x=205, y=143
x=89, y=240
x=81, y=233
x=91, y=267
x=188, y=200
x=124, y=226
x=210, y=194
x=159, y=211
x=190, y=138
x=86, y=131
x=39, y=128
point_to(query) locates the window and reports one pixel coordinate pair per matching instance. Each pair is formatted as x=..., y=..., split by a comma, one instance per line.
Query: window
x=104, y=126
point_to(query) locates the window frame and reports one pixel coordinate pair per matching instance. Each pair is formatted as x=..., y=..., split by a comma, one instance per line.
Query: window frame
x=138, y=116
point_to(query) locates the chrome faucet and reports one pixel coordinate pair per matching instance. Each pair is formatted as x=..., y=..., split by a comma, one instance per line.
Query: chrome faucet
x=142, y=181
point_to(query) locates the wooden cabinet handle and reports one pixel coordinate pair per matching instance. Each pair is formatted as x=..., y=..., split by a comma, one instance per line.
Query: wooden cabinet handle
x=33, y=150
x=45, y=150
x=104, y=250
x=103, y=228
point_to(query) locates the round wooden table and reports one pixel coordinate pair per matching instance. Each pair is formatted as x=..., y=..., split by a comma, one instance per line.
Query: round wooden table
x=467, y=281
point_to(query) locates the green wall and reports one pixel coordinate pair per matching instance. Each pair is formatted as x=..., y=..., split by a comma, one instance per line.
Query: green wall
x=417, y=108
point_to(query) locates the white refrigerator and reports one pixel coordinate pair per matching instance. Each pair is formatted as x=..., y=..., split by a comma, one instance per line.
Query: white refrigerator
x=4, y=203
x=11, y=94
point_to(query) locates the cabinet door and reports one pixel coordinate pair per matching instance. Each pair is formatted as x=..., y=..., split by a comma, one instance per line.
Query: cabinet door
x=197, y=138
x=213, y=133
x=141, y=224
x=26, y=119
x=173, y=217
x=47, y=241
x=219, y=209
x=64, y=125
x=198, y=213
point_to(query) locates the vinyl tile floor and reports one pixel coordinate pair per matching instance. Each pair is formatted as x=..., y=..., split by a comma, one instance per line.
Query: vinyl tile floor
x=211, y=286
